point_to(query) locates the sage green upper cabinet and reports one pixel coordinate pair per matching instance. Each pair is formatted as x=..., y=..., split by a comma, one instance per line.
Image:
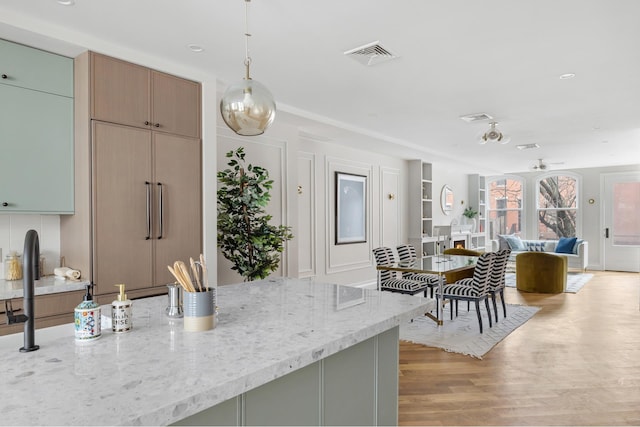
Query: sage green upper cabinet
x=35, y=69
x=133, y=95
x=36, y=131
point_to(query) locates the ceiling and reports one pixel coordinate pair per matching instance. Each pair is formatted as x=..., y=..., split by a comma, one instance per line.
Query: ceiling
x=454, y=57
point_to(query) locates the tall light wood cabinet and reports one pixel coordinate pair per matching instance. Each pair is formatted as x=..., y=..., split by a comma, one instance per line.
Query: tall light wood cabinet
x=138, y=187
x=133, y=95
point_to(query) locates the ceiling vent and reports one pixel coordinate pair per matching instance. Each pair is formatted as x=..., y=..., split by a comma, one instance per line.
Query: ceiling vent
x=527, y=146
x=370, y=54
x=478, y=117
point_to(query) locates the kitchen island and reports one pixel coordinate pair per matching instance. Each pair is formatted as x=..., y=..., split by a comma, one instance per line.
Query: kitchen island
x=285, y=351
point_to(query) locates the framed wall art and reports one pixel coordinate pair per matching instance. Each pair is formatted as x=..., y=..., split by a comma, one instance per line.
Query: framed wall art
x=351, y=208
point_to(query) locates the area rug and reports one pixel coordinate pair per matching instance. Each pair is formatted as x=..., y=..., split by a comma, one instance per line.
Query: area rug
x=575, y=281
x=462, y=334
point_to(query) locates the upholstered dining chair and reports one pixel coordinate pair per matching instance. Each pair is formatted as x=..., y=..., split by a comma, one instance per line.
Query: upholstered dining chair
x=407, y=253
x=463, y=274
x=472, y=289
x=496, y=280
x=389, y=280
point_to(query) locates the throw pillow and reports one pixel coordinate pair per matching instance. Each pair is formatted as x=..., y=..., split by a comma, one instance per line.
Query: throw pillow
x=565, y=245
x=575, y=247
x=502, y=243
x=515, y=243
x=535, y=246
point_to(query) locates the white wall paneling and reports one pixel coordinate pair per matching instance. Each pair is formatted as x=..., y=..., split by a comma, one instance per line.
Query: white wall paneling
x=355, y=255
x=390, y=201
x=271, y=154
x=307, y=227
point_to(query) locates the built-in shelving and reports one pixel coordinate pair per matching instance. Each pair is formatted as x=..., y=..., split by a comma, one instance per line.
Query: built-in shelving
x=477, y=200
x=421, y=207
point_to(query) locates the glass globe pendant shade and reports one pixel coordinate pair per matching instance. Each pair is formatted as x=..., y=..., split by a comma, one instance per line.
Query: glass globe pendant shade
x=248, y=108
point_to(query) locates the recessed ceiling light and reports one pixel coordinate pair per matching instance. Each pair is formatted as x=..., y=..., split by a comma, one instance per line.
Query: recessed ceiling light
x=567, y=76
x=66, y=2
x=195, y=47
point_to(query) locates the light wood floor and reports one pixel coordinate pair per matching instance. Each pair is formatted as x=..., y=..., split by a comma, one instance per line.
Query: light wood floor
x=576, y=362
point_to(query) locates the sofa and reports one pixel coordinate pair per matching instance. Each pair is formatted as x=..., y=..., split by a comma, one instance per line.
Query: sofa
x=577, y=256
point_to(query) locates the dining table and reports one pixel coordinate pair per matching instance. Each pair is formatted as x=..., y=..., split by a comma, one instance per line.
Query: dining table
x=442, y=265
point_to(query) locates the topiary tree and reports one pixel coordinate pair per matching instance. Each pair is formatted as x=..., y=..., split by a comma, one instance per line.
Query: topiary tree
x=245, y=236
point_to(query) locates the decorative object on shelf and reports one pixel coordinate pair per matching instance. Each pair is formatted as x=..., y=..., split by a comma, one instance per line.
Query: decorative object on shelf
x=470, y=212
x=469, y=218
x=494, y=135
x=446, y=200
x=245, y=236
x=351, y=208
x=247, y=107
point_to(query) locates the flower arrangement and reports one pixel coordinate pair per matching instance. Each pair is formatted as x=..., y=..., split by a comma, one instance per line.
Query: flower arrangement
x=469, y=212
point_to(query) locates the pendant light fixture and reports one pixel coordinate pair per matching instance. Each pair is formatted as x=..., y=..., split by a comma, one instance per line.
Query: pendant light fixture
x=247, y=107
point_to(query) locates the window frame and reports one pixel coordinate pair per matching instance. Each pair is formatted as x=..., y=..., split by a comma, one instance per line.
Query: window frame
x=521, y=210
x=536, y=208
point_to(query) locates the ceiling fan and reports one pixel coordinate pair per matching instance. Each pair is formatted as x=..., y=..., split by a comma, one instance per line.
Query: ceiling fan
x=540, y=166
x=543, y=166
x=494, y=135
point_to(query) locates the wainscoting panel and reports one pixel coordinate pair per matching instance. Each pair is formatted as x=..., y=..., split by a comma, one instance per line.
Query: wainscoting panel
x=306, y=232
x=390, y=220
x=352, y=256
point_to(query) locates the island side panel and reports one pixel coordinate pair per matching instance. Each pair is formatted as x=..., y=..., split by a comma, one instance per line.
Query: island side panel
x=357, y=386
x=388, y=381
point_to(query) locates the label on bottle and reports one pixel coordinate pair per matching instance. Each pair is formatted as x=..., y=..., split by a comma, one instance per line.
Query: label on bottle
x=121, y=318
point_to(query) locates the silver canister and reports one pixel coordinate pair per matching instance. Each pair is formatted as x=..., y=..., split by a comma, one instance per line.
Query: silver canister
x=174, y=309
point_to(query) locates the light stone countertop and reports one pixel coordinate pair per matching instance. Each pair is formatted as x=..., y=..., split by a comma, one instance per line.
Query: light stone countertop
x=46, y=285
x=158, y=374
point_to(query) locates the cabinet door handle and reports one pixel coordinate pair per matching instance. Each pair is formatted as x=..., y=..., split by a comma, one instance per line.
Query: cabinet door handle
x=161, y=209
x=5, y=204
x=148, y=185
x=4, y=76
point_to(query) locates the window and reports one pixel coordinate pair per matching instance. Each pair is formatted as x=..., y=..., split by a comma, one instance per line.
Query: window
x=505, y=206
x=557, y=206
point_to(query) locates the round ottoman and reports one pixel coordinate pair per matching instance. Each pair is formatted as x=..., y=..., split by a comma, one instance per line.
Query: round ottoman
x=541, y=272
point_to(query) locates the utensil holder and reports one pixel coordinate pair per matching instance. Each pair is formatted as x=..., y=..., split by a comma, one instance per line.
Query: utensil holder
x=199, y=309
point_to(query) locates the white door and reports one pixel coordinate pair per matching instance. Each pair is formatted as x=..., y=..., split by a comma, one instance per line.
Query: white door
x=622, y=222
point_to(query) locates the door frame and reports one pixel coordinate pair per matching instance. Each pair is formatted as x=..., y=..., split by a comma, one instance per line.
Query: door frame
x=606, y=209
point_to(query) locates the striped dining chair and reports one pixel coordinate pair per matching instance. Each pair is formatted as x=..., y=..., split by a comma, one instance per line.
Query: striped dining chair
x=389, y=280
x=474, y=289
x=408, y=254
x=496, y=280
